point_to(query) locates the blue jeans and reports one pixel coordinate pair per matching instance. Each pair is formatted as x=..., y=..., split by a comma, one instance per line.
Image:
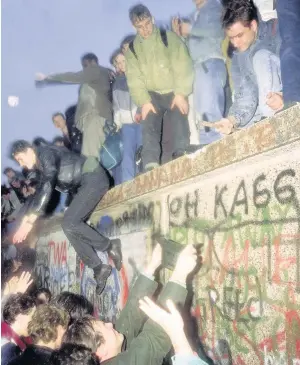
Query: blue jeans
x=132, y=140
x=289, y=26
x=209, y=96
x=62, y=203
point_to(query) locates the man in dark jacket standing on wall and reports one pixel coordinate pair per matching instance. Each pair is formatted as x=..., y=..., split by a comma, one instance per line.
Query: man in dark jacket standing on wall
x=94, y=103
x=65, y=171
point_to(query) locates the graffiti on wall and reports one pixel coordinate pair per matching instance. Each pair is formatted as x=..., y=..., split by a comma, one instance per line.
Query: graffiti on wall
x=248, y=288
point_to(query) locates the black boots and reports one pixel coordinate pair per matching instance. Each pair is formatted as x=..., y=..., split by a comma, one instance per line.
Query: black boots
x=115, y=253
x=101, y=274
x=102, y=271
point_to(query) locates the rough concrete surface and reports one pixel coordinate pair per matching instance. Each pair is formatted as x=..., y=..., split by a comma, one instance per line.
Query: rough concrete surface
x=241, y=199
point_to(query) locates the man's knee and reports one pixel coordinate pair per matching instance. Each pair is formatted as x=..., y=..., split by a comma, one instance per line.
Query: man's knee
x=68, y=224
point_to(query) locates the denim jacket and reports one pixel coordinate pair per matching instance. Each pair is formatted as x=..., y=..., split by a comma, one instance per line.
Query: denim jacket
x=206, y=36
x=245, y=106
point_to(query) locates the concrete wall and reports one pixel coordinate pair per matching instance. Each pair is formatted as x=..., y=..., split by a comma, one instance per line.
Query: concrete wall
x=241, y=199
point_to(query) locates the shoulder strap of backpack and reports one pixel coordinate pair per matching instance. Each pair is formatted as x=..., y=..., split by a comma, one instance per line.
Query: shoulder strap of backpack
x=131, y=47
x=164, y=38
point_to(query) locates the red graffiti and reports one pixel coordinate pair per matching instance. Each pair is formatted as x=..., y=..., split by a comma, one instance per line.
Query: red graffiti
x=58, y=253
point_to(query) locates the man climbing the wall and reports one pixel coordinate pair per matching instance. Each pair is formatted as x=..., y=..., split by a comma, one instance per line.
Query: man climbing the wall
x=68, y=171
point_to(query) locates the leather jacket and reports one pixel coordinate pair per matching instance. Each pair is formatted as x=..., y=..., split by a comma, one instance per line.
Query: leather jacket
x=59, y=169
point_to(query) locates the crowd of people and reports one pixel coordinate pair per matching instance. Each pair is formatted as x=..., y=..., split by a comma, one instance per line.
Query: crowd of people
x=172, y=92
x=38, y=329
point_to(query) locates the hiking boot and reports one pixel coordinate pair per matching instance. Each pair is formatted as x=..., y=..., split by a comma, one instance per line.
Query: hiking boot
x=115, y=253
x=101, y=274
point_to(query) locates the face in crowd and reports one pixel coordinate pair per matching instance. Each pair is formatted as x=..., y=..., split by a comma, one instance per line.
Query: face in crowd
x=26, y=159
x=120, y=64
x=144, y=27
x=113, y=340
x=242, y=35
x=59, y=121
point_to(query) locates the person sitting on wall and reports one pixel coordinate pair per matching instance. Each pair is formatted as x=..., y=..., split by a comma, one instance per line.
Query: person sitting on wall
x=65, y=170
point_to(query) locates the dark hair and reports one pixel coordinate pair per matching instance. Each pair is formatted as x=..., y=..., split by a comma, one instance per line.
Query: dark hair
x=243, y=11
x=39, y=141
x=82, y=332
x=15, y=305
x=19, y=147
x=8, y=169
x=116, y=53
x=40, y=291
x=89, y=57
x=139, y=12
x=58, y=139
x=70, y=354
x=44, y=323
x=128, y=39
x=57, y=114
x=4, y=190
x=76, y=305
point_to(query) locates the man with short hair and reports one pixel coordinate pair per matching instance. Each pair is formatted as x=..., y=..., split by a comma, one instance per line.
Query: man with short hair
x=46, y=329
x=66, y=124
x=159, y=72
x=126, y=42
x=127, y=118
x=136, y=340
x=94, y=104
x=255, y=66
x=17, y=313
x=74, y=355
x=65, y=171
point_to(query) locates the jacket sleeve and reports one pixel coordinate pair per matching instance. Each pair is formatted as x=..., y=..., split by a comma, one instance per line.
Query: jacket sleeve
x=181, y=64
x=87, y=75
x=245, y=96
x=116, y=108
x=132, y=319
x=136, y=80
x=47, y=182
x=153, y=343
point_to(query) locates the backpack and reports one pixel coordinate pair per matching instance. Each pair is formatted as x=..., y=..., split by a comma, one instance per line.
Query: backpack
x=164, y=38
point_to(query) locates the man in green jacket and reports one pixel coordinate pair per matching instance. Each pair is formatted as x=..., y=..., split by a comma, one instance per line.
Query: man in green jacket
x=160, y=76
x=136, y=340
x=94, y=102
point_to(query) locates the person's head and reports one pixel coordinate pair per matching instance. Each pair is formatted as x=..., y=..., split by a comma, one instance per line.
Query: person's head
x=89, y=59
x=9, y=172
x=240, y=21
x=23, y=152
x=16, y=183
x=39, y=141
x=42, y=296
x=48, y=326
x=142, y=20
x=76, y=305
x=118, y=61
x=70, y=354
x=126, y=42
x=58, y=141
x=59, y=120
x=18, y=312
x=100, y=337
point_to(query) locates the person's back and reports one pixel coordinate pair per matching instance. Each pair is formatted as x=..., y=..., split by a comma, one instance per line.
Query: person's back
x=94, y=94
x=68, y=165
x=33, y=355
